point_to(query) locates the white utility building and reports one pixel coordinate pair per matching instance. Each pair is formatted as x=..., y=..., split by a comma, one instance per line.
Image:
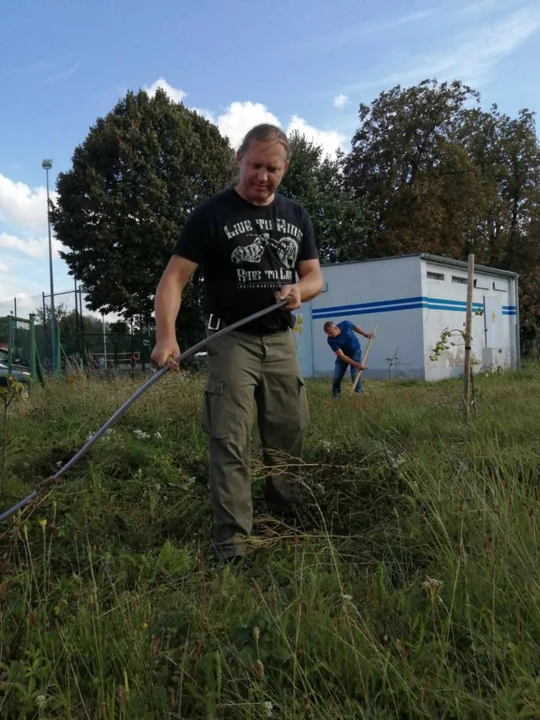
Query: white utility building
x=412, y=299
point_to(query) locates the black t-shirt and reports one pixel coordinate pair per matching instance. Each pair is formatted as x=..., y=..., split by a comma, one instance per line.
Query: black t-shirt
x=247, y=252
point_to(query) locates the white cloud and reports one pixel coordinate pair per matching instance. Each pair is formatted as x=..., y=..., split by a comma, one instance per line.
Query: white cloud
x=241, y=117
x=61, y=75
x=35, y=248
x=4, y=267
x=22, y=206
x=330, y=140
x=472, y=55
x=341, y=100
x=27, y=302
x=175, y=94
x=351, y=34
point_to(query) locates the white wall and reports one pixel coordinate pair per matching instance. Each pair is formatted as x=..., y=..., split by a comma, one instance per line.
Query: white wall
x=445, y=307
x=304, y=342
x=386, y=292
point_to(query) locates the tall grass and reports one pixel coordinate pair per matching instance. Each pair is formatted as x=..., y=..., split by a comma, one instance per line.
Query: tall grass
x=408, y=588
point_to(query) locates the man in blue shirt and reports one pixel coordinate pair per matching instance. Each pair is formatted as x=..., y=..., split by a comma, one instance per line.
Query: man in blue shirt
x=345, y=344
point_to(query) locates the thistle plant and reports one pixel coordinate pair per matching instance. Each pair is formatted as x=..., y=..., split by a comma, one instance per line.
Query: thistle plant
x=14, y=390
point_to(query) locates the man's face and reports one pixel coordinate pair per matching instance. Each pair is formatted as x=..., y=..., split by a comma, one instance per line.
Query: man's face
x=333, y=331
x=261, y=171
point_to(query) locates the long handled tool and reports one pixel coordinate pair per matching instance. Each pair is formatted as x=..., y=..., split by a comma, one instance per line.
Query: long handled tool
x=357, y=378
x=54, y=479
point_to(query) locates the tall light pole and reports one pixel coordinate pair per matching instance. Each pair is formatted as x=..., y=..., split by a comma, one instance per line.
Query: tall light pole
x=47, y=165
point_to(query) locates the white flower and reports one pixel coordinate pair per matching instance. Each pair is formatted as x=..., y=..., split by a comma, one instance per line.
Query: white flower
x=268, y=707
x=41, y=700
x=396, y=462
x=348, y=598
x=432, y=583
x=157, y=486
x=325, y=445
x=141, y=434
x=158, y=435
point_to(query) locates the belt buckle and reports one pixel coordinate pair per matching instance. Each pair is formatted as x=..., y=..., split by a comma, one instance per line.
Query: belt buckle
x=218, y=322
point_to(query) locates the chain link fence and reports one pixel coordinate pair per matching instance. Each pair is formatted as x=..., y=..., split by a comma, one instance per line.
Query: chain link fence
x=83, y=339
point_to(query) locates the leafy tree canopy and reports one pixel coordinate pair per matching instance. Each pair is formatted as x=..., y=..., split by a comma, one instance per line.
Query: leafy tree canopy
x=139, y=173
x=340, y=221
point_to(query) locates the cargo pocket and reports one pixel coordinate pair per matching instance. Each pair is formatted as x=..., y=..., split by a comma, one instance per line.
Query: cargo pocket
x=215, y=417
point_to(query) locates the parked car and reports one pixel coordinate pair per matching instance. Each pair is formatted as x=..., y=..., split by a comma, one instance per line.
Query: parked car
x=19, y=372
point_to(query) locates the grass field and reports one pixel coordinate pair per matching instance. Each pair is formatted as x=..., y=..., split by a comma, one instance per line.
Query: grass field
x=408, y=589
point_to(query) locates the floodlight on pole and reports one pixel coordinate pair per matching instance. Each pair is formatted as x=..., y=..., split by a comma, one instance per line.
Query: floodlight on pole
x=47, y=165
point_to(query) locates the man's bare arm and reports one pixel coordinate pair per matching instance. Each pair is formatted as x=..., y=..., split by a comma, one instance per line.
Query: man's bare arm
x=341, y=355
x=311, y=279
x=362, y=332
x=309, y=285
x=167, y=303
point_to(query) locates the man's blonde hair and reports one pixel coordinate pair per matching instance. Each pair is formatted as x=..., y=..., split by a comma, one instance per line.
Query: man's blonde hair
x=265, y=132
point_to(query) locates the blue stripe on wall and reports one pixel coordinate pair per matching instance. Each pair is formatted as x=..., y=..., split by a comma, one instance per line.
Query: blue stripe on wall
x=412, y=303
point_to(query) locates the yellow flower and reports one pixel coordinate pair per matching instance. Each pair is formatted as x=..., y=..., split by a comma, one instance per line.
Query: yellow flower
x=144, y=625
x=43, y=523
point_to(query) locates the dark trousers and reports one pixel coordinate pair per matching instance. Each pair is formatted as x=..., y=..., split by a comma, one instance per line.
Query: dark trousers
x=340, y=368
x=245, y=373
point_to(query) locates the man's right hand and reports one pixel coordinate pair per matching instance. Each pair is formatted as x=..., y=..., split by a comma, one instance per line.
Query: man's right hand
x=361, y=366
x=165, y=352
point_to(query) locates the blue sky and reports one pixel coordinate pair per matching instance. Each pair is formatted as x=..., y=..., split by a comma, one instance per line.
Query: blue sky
x=63, y=63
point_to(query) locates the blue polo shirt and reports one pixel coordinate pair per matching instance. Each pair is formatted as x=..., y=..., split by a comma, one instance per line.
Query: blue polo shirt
x=346, y=340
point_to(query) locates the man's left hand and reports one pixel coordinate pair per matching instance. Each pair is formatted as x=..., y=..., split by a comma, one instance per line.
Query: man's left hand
x=292, y=294
x=370, y=336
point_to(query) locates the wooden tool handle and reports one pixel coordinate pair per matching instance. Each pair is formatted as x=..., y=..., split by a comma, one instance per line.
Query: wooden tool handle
x=364, y=359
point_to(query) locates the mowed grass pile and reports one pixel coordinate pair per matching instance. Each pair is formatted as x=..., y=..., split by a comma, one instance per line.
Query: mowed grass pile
x=408, y=588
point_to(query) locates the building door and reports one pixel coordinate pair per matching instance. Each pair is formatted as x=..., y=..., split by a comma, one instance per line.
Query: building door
x=493, y=321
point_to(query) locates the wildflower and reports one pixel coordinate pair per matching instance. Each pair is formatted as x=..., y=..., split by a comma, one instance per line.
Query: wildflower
x=141, y=434
x=348, y=598
x=43, y=523
x=325, y=445
x=268, y=707
x=259, y=668
x=41, y=700
x=157, y=487
x=158, y=435
x=256, y=634
x=144, y=625
x=396, y=462
x=432, y=583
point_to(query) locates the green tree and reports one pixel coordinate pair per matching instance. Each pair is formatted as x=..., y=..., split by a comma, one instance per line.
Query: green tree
x=407, y=163
x=340, y=221
x=69, y=320
x=4, y=325
x=139, y=173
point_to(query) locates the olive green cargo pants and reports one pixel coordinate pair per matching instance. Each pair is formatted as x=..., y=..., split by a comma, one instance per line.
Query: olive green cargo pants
x=247, y=371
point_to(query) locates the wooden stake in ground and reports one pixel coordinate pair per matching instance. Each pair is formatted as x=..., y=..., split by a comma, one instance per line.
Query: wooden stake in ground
x=364, y=359
x=468, y=322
